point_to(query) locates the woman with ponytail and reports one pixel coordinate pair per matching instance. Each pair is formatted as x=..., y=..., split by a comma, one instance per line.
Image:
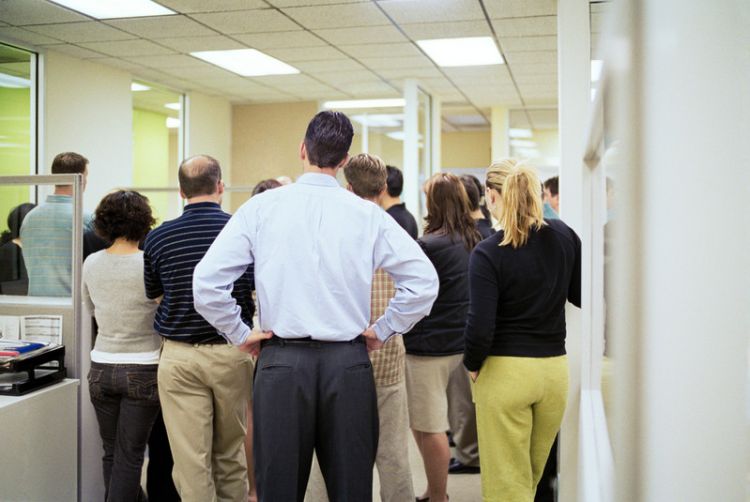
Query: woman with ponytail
x=519, y=281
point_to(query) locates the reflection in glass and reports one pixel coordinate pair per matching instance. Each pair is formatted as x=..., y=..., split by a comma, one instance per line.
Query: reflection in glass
x=14, y=279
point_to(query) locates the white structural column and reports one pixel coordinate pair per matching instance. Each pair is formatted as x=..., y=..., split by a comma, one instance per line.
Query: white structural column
x=695, y=266
x=436, y=130
x=499, y=129
x=410, y=194
x=573, y=48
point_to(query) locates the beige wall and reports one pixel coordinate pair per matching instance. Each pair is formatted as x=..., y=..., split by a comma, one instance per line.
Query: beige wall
x=266, y=139
x=466, y=149
x=210, y=129
x=88, y=109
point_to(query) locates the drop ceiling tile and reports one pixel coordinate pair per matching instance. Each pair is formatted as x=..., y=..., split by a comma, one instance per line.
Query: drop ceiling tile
x=410, y=73
x=87, y=31
x=291, y=55
x=525, y=26
x=281, y=80
x=363, y=35
x=281, y=40
x=128, y=48
x=120, y=63
x=350, y=15
x=170, y=61
x=528, y=57
x=309, y=3
x=194, y=44
x=338, y=78
x=523, y=80
x=494, y=73
x=498, y=9
x=428, y=11
x=247, y=21
x=534, y=69
x=206, y=71
x=23, y=12
x=425, y=31
x=22, y=35
x=602, y=7
x=152, y=75
x=379, y=89
x=75, y=51
x=450, y=96
x=519, y=44
x=397, y=50
x=438, y=84
x=162, y=27
x=539, y=100
x=335, y=65
x=392, y=63
x=190, y=6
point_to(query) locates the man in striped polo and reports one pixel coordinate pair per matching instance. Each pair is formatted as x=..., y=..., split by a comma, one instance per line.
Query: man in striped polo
x=204, y=382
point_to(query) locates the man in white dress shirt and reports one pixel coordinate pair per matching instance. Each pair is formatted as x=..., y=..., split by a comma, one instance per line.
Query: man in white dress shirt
x=315, y=247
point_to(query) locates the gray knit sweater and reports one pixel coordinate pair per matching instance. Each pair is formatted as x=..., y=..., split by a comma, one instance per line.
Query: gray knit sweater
x=113, y=289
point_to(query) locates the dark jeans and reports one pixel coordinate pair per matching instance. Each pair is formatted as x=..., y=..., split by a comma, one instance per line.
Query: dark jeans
x=126, y=402
x=314, y=396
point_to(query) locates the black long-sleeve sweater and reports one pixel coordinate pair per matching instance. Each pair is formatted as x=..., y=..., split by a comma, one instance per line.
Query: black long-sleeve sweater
x=517, y=296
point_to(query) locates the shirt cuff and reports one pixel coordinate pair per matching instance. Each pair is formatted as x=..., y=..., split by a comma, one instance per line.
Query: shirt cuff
x=239, y=336
x=382, y=330
x=473, y=363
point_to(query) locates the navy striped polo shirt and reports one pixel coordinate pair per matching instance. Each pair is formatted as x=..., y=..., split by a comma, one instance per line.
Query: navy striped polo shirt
x=170, y=255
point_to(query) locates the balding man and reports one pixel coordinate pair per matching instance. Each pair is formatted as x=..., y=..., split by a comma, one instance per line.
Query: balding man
x=204, y=382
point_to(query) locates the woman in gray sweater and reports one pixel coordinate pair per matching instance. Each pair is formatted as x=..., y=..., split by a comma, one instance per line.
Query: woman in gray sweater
x=122, y=380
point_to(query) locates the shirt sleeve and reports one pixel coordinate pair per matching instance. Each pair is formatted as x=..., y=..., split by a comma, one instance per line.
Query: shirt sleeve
x=480, y=321
x=151, y=277
x=227, y=260
x=574, y=290
x=415, y=279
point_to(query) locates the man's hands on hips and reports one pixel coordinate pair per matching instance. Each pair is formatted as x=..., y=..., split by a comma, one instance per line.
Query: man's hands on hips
x=372, y=340
x=252, y=344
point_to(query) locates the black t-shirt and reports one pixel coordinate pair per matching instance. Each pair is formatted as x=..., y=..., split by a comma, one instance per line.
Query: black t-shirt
x=517, y=296
x=404, y=218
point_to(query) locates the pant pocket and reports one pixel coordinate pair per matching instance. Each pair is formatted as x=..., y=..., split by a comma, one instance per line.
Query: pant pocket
x=95, y=382
x=143, y=385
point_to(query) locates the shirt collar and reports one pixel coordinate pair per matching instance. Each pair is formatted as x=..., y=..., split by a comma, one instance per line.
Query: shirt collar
x=201, y=205
x=59, y=198
x=318, y=179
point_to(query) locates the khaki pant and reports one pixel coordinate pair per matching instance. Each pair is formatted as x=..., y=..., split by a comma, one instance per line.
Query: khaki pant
x=462, y=417
x=520, y=404
x=204, y=391
x=392, y=460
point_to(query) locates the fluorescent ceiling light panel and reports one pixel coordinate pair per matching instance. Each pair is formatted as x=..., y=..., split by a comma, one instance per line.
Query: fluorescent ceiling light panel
x=520, y=133
x=136, y=87
x=523, y=143
x=246, y=62
x=113, y=9
x=472, y=51
x=596, y=69
x=366, y=103
x=173, y=106
x=378, y=120
x=173, y=123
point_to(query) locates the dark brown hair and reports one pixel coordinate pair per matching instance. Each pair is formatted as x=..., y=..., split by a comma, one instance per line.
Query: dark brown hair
x=199, y=175
x=448, y=209
x=69, y=163
x=553, y=185
x=266, y=185
x=328, y=138
x=123, y=213
x=366, y=174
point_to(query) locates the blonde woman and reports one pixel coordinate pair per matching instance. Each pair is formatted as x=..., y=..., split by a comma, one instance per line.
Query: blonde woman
x=519, y=281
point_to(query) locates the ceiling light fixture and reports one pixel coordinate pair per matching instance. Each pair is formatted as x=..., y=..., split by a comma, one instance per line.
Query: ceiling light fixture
x=365, y=103
x=520, y=133
x=246, y=62
x=113, y=9
x=596, y=69
x=378, y=120
x=173, y=123
x=471, y=51
x=136, y=87
x=173, y=106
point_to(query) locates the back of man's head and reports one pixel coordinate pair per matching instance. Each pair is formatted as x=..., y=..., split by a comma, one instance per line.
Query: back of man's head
x=328, y=138
x=69, y=163
x=199, y=175
x=395, y=181
x=366, y=174
x=552, y=185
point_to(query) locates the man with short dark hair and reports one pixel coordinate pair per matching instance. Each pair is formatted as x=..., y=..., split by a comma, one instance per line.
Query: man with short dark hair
x=391, y=202
x=204, y=382
x=315, y=247
x=551, y=198
x=47, y=233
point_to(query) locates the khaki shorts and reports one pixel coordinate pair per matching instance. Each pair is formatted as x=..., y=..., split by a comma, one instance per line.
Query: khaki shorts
x=426, y=387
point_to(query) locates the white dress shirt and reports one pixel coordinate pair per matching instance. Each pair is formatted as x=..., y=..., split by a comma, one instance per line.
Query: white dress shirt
x=315, y=247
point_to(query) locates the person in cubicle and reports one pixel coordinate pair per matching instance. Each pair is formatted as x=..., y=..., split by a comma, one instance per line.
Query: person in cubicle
x=47, y=233
x=13, y=277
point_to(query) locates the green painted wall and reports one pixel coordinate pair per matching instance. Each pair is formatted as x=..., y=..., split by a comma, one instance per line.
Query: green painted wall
x=151, y=159
x=15, y=147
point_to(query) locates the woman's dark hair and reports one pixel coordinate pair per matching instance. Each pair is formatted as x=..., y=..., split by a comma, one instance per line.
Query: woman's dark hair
x=123, y=213
x=448, y=209
x=328, y=138
x=15, y=219
x=472, y=192
x=265, y=185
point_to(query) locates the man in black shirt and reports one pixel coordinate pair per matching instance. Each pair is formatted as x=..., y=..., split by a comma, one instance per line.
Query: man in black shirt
x=391, y=202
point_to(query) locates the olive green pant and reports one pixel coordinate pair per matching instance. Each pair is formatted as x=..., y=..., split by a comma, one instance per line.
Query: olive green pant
x=520, y=404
